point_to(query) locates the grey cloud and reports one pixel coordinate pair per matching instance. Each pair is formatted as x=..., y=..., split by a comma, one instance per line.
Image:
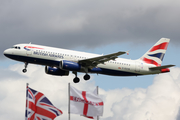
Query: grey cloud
x=87, y=23
x=178, y=116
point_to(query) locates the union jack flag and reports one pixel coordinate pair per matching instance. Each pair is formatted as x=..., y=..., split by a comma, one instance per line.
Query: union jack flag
x=38, y=107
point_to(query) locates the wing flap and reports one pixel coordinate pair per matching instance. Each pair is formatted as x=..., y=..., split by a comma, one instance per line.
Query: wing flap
x=90, y=62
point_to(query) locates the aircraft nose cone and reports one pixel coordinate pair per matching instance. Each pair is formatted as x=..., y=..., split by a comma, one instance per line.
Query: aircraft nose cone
x=7, y=53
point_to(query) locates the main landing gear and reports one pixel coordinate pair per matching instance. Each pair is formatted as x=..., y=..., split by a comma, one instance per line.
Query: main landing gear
x=25, y=70
x=86, y=77
x=76, y=79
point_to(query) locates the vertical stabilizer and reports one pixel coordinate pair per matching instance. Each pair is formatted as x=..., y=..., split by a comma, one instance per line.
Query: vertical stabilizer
x=156, y=54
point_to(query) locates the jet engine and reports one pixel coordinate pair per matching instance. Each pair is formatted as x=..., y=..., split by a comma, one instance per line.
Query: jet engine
x=70, y=66
x=56, y=71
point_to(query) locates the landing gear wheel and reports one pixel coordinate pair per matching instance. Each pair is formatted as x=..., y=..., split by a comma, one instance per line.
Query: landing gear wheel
x=24, y=70
x=76, y=80
x=86, y=77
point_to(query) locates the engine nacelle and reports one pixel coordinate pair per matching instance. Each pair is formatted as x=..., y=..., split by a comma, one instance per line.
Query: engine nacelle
x=56, y=71
x=70, y=66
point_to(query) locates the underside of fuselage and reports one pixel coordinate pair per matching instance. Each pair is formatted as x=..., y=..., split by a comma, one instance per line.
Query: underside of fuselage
x=53, y=63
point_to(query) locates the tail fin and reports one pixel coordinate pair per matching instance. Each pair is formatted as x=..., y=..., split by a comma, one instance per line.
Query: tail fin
x=156, y=54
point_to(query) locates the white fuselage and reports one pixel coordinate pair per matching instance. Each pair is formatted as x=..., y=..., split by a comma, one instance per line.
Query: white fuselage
x=50, y=56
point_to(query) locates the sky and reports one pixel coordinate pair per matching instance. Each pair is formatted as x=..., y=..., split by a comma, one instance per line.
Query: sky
x=93, y=26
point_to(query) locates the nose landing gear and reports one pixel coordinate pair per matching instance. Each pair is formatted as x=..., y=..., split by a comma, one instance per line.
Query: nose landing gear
x=25, y=70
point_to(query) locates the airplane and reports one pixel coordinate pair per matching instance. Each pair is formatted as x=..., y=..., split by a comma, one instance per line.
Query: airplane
x=60, y=62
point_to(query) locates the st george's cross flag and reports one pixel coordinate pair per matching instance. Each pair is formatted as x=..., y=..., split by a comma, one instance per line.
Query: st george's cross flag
x=38, y=107
x=93, y=117
x=85, y=103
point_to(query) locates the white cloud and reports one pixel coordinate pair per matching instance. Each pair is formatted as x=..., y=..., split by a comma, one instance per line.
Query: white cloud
x=161, y=100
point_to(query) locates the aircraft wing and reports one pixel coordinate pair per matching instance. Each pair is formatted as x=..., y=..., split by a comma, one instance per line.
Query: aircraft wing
x=161, y=67
x=92, y=62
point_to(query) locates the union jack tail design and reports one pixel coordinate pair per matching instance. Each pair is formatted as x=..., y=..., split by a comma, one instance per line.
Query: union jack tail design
x=156, y=54
x=38, y=107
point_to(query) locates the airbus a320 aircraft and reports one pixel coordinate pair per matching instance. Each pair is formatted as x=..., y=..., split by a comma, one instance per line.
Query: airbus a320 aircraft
x=60, y=61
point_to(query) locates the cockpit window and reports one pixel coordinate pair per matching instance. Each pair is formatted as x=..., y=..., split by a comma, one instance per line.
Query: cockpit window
x=16, y=47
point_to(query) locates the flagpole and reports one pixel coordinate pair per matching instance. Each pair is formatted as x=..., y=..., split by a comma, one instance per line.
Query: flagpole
x=97, y=94
x=27, y=102
x=69, y=100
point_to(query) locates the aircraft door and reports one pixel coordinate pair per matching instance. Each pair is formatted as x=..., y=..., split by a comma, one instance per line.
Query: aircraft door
x=29, y=52
x=138, y=66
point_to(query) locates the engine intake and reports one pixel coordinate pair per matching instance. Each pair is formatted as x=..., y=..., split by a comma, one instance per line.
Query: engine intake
x=56, y=71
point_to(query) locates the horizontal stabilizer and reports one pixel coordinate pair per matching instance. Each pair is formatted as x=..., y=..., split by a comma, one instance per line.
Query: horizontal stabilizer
x=161, y=67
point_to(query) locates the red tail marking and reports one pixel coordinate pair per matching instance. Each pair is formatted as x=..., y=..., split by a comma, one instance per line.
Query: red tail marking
x=160, y=46
x=149, y=61
x=165, y=70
